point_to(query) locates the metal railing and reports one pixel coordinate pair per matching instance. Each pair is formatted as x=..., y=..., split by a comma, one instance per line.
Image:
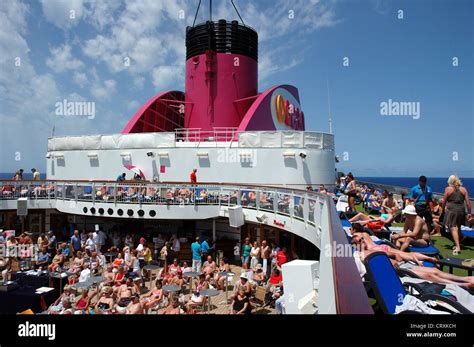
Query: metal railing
x=198, y=135
x=315, y=210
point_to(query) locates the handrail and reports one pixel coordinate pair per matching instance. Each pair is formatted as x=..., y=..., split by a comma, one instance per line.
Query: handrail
x=292, y=187
x=315, y=210
x=350, y=294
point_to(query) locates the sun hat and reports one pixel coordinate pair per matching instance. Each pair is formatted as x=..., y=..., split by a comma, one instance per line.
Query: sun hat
x=409, y=209
x=242, y=275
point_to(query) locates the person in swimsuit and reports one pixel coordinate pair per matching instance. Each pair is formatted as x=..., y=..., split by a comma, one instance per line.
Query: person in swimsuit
x=455, y=202
x=173, y=307
x=363, y=219
x=351, y=191
x=105, y=302
x=153, y=298
x=432, y=274
x=218, y=279
x=366, y=243
x=415, y=230
x=83, y=303
x=58, y=261
x=78, y=262
x=135, y=306
x=197, y=298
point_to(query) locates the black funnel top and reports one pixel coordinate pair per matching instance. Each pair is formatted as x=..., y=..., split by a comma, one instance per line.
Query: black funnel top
x=221, y=37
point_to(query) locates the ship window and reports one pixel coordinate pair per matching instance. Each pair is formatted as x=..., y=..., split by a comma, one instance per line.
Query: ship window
x=120, y=212
x=130, y=212
x=110, y=211
x=141, y=213
x=93, y=210
x=101, y=211
x=84, y=209
x=152, y=213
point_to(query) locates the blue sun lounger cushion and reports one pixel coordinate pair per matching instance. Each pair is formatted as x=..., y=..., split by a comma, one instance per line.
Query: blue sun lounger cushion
x=467, y=232
x=345, y=223
x=385, y=282
x=428, y=250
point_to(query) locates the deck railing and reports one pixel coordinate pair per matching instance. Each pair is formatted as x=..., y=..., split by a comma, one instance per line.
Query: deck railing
x=338, y=273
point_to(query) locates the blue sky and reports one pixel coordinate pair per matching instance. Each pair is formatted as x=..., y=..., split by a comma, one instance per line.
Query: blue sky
x=405, y=60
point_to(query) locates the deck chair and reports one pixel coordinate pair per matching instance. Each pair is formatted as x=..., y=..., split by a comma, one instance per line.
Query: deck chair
x=429, y=250
x=387, y=287
x=258, y=298
x=466, y=232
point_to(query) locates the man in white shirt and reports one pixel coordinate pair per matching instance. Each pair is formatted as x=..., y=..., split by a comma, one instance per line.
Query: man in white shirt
x=90, y=244
x=85, y=274
x=140, y=249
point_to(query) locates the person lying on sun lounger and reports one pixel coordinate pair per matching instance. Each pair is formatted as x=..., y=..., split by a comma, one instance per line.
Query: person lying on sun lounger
x=362, y=218
x=402, y=259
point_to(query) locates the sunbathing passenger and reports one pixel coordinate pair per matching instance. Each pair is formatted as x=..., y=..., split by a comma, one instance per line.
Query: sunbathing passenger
x=105, y=302
x=135, y=306
x=173, y=307
x=362, y=218
x=432, y=274
x=389, y=204
x=154, y=297
x=197, y=298
x=415, y=230
x=57, y=262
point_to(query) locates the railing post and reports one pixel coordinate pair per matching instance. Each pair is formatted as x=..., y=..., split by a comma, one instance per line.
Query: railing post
x=275, y=201
x=75, y=192
x=93, y=192
x=292, y=205
x=239, y=203
x=305, y=209
x=115, y=194
x=257, y=200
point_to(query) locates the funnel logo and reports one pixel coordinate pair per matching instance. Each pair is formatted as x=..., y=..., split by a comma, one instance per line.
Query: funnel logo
x=286, y=111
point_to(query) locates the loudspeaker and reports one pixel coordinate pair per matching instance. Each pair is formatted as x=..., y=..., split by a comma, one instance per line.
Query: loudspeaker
x=22, y=207
x=236, y=216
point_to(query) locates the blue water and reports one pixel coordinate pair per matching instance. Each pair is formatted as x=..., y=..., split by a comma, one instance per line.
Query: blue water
x=437, y=184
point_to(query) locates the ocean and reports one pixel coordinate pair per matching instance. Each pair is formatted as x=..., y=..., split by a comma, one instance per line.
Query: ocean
x=437, y=184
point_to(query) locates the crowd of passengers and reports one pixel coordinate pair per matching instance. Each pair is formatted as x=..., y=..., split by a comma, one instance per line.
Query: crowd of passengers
x=122, y=259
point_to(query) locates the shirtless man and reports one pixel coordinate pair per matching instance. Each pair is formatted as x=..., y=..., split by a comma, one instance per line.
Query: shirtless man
x=109, y=275
x=173, y=307
x=389, y=203
x=135, y=306
x=414, y=229
x=209, y=267
x=178, y=279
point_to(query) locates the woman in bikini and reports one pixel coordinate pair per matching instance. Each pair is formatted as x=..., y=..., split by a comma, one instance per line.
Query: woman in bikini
x=83, y=302
x=106, y=302
x=154, y=297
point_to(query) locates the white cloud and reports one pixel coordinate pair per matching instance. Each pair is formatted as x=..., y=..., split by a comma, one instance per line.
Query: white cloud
x=167, y=76
x=139, y=82
x=103, y=90
x=27, y=98
x=80, y=78
x=140, y=34
x=63, y=13
x=62, y=60
x=101, y=13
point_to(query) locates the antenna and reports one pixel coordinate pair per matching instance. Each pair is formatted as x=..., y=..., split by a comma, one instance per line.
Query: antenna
x=197, y=11
x=236, y=10
x=329, y=107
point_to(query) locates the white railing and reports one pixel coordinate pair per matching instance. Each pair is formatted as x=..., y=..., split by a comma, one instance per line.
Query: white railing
x=315, y=210
x=198, y=135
